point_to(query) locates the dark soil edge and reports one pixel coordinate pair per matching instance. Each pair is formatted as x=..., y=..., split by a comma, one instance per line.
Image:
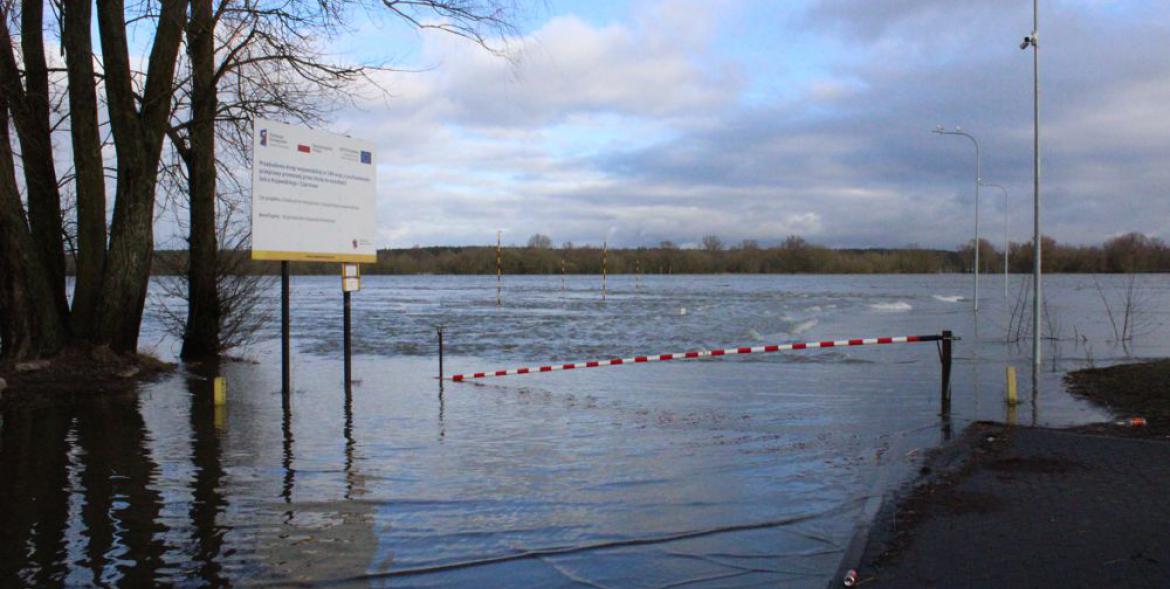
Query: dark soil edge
x=1140, y=389
x=77, y=373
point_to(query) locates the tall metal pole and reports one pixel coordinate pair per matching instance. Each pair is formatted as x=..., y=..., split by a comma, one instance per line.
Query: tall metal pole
x=978, y=172
x=1006, y=243
x=285, y=356
x=1036, y=234
x=978, y=243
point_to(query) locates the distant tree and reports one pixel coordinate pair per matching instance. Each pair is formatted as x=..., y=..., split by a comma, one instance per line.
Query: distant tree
x=712, y=243
x=1126, y=253
x=987, y=254
x=539, y=241
x=568, y=245
x=749, y=244
x=795, y=242
x=667, y=245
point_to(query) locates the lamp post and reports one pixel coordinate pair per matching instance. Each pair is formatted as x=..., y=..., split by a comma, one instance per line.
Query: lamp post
x=978, y=163
x=1006, y=243
x=1030, y=41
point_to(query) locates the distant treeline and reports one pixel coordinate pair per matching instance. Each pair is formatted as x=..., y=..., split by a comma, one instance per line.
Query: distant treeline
x=1132, y=252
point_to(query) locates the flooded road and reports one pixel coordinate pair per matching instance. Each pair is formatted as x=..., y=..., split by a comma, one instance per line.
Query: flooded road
x=748, y=471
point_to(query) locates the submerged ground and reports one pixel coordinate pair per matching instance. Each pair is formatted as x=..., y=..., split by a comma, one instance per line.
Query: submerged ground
x=729, y=472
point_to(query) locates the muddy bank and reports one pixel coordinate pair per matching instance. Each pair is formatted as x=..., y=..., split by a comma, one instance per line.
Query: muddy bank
x=1129, y=390
x=77, y=372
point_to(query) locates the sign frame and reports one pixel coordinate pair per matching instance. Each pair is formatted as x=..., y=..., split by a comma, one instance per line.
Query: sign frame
x=313, y=188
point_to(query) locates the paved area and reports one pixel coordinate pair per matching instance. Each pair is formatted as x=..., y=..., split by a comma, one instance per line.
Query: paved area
x=1031, y=508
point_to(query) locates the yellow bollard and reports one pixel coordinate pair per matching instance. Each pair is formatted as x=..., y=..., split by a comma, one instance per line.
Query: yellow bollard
x=220, y=389
x=1011, y=397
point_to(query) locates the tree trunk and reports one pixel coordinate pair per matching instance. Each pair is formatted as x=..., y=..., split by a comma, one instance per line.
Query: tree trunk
x=201, y=336
x=29, y=105
x=30, y=325
x=87, y=160
x=138, y=137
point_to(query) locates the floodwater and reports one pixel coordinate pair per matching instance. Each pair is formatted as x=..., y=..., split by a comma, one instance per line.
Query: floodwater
x=737, y=471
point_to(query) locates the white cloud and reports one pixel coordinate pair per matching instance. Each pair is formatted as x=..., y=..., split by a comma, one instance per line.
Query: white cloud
x=641, y=126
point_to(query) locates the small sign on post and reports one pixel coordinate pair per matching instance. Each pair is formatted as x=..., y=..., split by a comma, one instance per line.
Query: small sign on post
x=351, y=278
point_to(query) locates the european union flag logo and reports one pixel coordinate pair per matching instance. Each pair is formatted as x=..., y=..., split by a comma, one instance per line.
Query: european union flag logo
x=367, y=157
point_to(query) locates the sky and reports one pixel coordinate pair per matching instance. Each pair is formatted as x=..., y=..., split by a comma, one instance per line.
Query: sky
x=637, y=122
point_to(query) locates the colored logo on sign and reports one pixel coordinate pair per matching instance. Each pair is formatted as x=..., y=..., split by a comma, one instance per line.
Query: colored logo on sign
x=355, y=244
x=367, y=157
x=263, y=136
x=304, y=148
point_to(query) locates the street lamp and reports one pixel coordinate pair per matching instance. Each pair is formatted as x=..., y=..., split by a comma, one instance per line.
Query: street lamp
x=1006, y=243
x=941, y=131
x=1031, y=40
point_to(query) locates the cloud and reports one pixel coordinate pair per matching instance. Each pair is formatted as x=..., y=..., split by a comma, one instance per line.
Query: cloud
x=644, y=125
x=569, y=67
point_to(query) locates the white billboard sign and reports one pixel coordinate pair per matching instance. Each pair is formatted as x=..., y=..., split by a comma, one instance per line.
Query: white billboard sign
x=313, y=195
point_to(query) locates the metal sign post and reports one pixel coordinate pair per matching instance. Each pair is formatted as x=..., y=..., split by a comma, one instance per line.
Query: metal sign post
x=350, y=281
x=285, y=355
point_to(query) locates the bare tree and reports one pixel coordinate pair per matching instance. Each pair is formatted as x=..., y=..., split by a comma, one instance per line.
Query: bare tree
x=712, y=243
x=33, y=314
x=138, y=128
x=268, y=65
x=138, y=107
x=539, y=241
x=1126, y=308
x=240, y=311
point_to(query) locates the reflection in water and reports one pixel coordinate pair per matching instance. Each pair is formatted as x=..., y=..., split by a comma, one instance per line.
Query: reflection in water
x=349, y=443
x=1035, y=392
x=207, y=501
x=975, y=363
x=77, y=497
x=286, y=487
x=442, y=409
x=33, y=497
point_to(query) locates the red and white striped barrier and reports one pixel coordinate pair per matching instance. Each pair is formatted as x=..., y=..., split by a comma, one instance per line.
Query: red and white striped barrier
x=705, y=354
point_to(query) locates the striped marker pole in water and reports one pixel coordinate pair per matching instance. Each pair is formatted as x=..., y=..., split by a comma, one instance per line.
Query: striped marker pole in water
x=705, y=354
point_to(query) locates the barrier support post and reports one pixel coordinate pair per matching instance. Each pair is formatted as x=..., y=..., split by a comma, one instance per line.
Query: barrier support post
x=945, y=392
x=440, y=331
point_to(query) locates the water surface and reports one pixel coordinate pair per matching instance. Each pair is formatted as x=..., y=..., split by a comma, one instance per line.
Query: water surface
x=725, y=472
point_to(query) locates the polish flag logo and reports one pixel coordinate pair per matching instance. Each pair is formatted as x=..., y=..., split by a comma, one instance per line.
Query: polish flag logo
x=304, y=148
